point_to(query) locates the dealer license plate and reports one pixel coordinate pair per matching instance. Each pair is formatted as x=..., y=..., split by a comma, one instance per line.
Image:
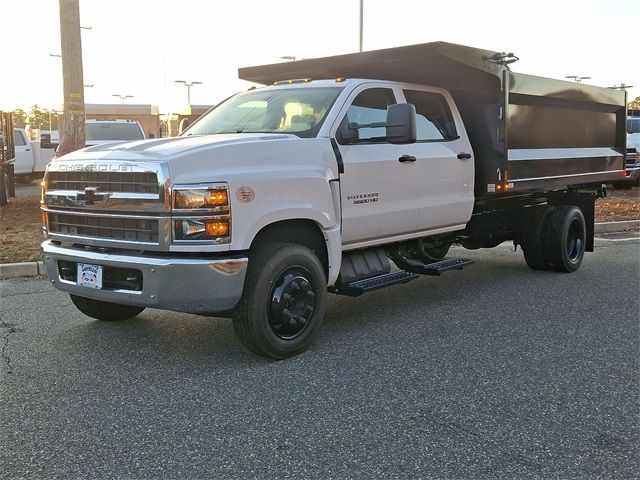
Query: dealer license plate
x=89, y=276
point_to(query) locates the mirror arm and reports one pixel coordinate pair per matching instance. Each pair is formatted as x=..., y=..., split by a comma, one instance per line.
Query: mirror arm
x=357, y=126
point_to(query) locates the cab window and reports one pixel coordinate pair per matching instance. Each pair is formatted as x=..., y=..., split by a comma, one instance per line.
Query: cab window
x=18, y=138
x=368, y=107
x=434, y=120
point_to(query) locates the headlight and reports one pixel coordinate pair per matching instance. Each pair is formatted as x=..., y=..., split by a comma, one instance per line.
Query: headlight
x=201, y=213
x=195, y=198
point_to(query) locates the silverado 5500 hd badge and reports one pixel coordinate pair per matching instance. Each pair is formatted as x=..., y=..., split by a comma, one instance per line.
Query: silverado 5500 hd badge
x=359, y=198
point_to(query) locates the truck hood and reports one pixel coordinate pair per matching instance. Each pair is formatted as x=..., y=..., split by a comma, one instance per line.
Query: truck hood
x=167, y=149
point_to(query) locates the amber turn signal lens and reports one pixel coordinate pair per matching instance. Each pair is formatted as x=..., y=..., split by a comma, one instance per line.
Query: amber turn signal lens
x=216, y=197
x=217, y=229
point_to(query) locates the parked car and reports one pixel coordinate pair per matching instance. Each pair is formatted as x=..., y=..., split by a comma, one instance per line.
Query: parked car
x=632, y=172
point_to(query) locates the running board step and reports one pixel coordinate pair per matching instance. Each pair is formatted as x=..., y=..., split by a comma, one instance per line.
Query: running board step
x=437, y=268
x=357, y=288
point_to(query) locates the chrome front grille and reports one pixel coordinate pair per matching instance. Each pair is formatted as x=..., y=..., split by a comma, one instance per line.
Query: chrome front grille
x=139, y=230
x=108, y=203
x=130, y=182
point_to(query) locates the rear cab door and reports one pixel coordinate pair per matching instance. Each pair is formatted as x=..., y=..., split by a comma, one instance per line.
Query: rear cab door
x=444, y=165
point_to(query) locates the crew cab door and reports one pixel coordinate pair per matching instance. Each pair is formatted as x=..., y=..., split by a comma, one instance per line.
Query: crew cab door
x=444, y=166
x=24, y=152
x=379, y=193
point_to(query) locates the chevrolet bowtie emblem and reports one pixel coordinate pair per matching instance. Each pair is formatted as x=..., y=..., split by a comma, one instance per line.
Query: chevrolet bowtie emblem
x=91, y=196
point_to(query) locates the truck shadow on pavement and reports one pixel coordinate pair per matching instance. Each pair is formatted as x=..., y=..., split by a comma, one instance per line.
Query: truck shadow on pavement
x=193, y=342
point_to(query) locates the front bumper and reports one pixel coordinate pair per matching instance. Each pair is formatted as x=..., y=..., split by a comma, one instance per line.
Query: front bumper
x=194, y=285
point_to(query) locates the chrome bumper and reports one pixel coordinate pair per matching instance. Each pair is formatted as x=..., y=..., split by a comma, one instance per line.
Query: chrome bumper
x=180, y=284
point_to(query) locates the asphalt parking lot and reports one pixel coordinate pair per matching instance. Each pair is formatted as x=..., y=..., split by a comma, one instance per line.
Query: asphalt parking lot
x=494, y=372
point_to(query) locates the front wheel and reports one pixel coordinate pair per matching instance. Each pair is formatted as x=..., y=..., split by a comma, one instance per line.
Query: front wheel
x=106, y=311
x=282, y=308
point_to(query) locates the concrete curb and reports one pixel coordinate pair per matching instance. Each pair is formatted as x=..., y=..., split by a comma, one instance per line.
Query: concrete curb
x=25, y=269
x=35, y=269
x=610, y=227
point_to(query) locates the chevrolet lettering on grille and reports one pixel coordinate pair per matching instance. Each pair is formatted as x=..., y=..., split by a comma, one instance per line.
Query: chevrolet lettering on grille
x=102, y=167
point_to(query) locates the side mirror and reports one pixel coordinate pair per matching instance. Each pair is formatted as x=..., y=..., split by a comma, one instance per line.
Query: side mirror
x=401, y=123
x=45, y=141
x=346, y=135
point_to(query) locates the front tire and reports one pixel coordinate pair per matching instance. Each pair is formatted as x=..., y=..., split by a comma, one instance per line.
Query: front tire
x=282, y=308
x=105, y=311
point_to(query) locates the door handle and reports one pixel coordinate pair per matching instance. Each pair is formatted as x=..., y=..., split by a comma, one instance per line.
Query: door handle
x=464, y=156
x=27, y=149
x=407, y=158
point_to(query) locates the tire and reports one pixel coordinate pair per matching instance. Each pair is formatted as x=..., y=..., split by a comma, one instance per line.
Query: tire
x=566, y=238
x=284, y=300
x=534, y=243
x=433, y=253
x=105, y=311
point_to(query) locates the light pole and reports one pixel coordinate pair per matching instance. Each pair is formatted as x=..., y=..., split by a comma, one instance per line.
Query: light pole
x=188, y=85
x=577, y=78
x=121, y=97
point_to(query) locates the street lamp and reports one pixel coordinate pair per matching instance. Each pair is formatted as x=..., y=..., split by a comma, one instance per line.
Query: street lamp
x=577, y=78
x=188, y=85
x=121, y=97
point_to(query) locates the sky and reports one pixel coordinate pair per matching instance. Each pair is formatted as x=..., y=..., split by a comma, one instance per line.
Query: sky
x=140, y=47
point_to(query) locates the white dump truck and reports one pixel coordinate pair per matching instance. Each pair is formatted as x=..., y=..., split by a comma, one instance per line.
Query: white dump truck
x=344, y=175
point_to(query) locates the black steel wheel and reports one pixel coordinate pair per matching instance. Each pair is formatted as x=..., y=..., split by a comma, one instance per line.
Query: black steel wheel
x=283, y=303
x=105, y=311
x=293, y=303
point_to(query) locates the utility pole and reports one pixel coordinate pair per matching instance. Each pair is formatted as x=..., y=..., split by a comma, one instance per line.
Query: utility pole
x=71, y=45
x=361, y=22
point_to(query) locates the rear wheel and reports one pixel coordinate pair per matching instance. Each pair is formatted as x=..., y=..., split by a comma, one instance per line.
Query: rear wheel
x=566, y=238
x=430, y=253
x=284, y=300
x=106, y=311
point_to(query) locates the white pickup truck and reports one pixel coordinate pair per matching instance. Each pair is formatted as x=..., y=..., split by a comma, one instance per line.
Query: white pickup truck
x=284, y=193
x=31, y=160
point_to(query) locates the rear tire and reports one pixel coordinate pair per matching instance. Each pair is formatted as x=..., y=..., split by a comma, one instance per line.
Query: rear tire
x=105, y=311
x=566, y=238
x=433, y=253
x=534, y=243
x=283, y=304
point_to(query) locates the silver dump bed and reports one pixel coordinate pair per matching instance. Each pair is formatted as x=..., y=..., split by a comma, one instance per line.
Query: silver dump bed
x=533, y=132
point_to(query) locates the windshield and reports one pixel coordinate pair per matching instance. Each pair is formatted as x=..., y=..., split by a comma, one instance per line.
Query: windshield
x=300, y=111
x=113, y=131
x=633, y=125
